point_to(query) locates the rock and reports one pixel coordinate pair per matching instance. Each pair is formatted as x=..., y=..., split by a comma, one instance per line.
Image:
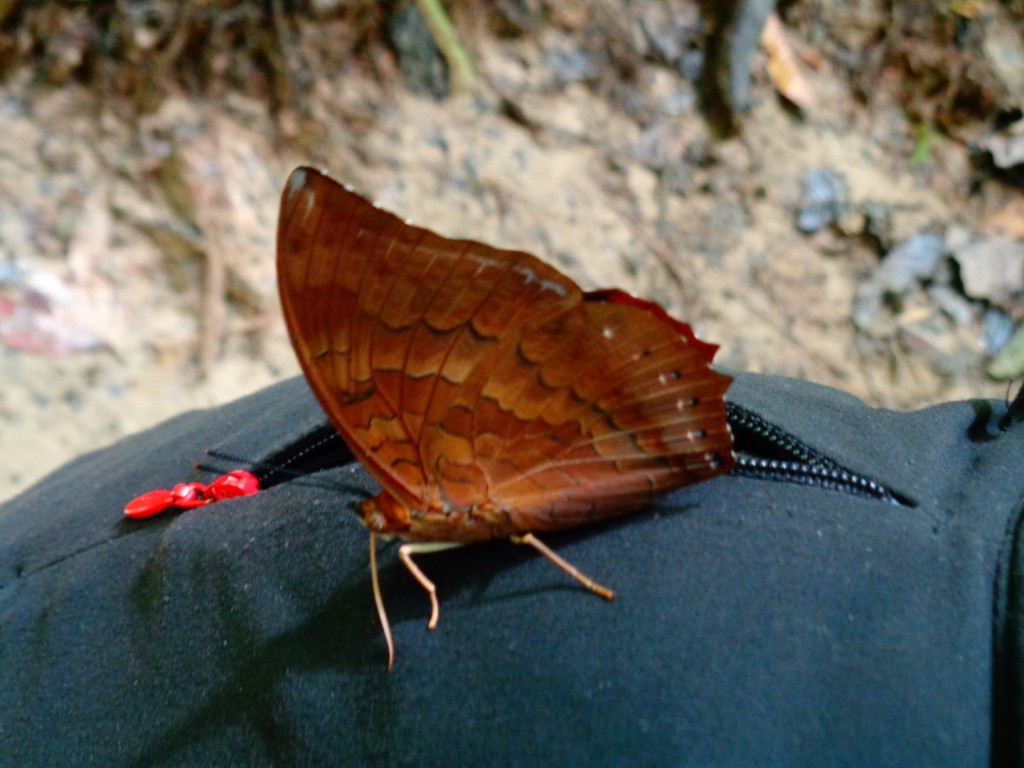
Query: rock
x=1007, y=151
x=900, y=273
x=825, y=200
x=1009, y=363
x=991, y=266
x=996, y=330
x=960, y=310
x=909, y=263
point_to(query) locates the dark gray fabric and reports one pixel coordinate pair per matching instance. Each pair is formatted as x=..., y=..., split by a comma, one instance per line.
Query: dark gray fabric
x=756, y=623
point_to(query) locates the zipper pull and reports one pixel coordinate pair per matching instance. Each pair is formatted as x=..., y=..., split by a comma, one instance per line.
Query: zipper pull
x=239, y=482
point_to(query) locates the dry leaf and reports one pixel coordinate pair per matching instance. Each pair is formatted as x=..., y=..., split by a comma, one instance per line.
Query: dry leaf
x=783, y=66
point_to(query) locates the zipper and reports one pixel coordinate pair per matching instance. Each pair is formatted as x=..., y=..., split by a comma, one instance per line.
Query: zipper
x=765, y=451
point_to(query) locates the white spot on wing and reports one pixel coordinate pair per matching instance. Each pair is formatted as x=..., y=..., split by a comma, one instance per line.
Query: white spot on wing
x=296, y=182
x=545, y=285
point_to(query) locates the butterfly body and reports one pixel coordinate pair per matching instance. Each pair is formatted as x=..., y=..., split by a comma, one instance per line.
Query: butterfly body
x=386, y=516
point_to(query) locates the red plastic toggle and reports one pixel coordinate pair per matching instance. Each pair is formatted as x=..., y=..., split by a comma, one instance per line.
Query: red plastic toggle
x=239, y=482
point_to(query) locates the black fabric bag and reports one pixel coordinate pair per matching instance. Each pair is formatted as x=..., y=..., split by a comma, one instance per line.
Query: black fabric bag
x=757, y=621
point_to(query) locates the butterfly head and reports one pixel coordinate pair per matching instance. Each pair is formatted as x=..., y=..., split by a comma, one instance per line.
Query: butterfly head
x=384, y=515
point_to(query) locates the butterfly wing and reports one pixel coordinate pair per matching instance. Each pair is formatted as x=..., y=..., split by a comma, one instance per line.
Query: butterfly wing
x=469, y=377
x=380, y=314
x=611, y=405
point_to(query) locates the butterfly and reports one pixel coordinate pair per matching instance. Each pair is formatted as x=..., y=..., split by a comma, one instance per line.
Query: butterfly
x=485, y=391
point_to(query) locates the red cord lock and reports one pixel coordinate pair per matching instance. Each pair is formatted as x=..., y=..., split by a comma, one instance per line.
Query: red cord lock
x=239, y=482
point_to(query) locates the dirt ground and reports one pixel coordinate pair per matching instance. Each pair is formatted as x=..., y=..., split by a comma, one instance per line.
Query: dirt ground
x=137, y=239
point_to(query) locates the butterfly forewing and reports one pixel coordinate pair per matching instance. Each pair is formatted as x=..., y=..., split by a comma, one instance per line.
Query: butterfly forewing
x=333, y=257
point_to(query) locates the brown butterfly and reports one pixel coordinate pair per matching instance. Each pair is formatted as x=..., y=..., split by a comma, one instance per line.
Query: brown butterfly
x=484, y=390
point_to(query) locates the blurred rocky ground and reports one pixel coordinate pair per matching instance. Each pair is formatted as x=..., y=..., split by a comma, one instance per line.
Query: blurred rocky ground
x=827, y=190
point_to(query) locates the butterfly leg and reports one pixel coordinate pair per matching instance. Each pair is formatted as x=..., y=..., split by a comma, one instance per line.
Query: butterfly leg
x=586, y=581
x=378, y=599
x=405, y=553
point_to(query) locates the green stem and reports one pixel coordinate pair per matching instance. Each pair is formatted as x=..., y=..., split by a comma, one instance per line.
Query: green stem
x=447, y=39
